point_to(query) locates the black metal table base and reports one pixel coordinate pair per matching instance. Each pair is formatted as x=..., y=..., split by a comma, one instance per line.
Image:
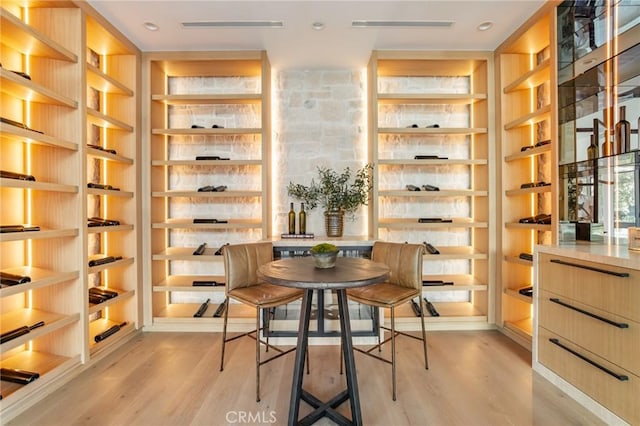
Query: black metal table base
x=325, y=409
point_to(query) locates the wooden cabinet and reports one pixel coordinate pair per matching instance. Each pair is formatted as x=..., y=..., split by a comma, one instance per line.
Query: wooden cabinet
x=47, y=120
x=526, y=147
x=588, y=331
x=429, y=124
x=209, y=133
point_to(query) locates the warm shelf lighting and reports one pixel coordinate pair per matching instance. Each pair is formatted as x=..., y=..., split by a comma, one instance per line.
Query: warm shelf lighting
x=275, y=158
x=364, y=230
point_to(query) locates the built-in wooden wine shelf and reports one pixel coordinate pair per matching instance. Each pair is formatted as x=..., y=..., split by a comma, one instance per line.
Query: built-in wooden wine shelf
x=405, y=87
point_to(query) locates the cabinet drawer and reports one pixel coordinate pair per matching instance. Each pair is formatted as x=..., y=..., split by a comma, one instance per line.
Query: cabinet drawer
x=614, y=338
x=619, y=395
x=609, y=288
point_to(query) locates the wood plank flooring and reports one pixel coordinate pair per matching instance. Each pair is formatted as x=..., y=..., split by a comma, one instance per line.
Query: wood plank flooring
x=474, y=379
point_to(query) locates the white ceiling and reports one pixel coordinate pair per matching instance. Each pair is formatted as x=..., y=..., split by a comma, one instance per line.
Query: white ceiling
x=298, y=46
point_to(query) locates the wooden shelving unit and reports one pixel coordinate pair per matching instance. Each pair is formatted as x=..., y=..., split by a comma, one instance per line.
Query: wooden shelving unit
x=436, y=104
x=112, y=69
x=44, y=143
x=212, y=104
x=525, y=84
x=49, y=125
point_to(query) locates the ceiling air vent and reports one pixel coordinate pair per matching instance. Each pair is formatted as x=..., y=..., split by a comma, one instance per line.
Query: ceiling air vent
x=402, y=24
x=233, y=24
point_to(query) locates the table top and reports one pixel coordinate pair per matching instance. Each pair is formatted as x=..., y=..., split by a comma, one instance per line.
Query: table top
x=300, y=272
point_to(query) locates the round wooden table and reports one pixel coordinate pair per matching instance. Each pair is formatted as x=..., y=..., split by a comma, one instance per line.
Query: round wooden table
x=300, y=272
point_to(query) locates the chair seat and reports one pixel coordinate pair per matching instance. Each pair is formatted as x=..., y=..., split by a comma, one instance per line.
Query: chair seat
x=382, y=294
x=265, y=295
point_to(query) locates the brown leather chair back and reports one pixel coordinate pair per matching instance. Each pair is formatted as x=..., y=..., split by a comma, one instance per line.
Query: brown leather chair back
x=404, y=261
x=241, y=262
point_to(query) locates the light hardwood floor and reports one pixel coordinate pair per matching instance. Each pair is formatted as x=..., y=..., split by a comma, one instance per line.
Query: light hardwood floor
x=475, y=379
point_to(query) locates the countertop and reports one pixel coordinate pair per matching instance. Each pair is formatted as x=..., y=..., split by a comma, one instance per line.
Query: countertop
x=608, y=254
x=345, y=241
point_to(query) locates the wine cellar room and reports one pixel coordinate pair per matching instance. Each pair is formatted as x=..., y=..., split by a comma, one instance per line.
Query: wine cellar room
x=137, y=145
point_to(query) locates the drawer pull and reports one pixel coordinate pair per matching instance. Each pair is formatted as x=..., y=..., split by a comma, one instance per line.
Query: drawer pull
x=620, y=377
x=590, y=314
x=591, y=268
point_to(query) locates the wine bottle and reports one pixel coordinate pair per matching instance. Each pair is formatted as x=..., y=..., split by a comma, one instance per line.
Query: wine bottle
x=218, y=313
x=108, y=332
x=302, y=220
x=103, y=292
x=432, y=309
x=200, y=250
x=607, y=146
x=623, y=133
x=12, y=279
x=416, y=308
x=17, y=332
x=19, y=176
x=609, y=125
x=96, y=299
x=15, y=375
x=292, y=220
x=201, y=310
x=592, y=150
x=101, y=261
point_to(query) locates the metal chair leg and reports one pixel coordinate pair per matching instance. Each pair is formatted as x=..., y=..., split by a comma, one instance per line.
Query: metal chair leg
x=224, y=332
x=266, y=328
x=257, y=354
x=393, y=350
x=424, y=335
x=379, y=345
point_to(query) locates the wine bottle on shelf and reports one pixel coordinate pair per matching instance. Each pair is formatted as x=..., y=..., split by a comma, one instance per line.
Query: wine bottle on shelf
x=607, y=146
x=218, y=313
x=592, y=150
x=292, y=220
x=20, y=331
x=201, y=310
x=623, y=133
x=302, y=220
x=19, y=376
x=13, y=279
x=200, y=250
x=108, y=332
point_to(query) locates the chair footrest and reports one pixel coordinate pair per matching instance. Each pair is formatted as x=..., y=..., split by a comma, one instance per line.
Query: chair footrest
x=379, y=358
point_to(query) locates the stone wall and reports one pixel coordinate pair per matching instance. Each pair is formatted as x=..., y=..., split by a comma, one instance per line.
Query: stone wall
x=319, y=120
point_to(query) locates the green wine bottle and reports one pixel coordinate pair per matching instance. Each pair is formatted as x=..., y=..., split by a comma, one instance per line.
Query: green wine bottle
x=302, y=220
x=592, y=150
x=623, y=133
x=292, y=220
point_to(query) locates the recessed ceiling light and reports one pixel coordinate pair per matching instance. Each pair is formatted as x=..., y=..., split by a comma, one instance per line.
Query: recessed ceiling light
x=233, y=24
x=151, y=26
x=401, y=24
x=485, y=26
x=318, y=26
